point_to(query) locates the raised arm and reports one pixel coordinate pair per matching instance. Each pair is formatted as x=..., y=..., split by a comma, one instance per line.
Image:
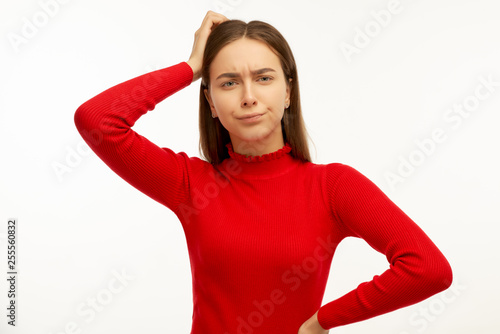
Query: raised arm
x=417, y=268
x=105, y=123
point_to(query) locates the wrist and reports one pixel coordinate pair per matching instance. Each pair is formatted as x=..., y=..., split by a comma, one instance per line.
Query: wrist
x=195, y=68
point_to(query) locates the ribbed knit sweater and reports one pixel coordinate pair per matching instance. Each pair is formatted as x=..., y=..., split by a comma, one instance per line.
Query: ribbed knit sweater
x=261, y=231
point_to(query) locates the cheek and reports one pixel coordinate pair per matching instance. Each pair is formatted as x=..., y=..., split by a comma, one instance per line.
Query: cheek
x=223, y=103
x=275, y=99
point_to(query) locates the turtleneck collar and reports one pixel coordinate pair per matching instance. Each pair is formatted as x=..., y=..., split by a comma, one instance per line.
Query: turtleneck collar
x=260, y=167
x=265, y=157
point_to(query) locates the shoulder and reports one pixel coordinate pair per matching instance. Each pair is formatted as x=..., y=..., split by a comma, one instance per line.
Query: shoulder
x=340, y=177
x=329, y=173
x=336, y=171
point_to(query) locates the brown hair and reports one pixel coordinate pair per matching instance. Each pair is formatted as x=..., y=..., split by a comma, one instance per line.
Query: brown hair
x=213, y=135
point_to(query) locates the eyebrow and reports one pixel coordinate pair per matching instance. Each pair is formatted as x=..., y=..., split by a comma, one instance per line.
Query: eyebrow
x=256, y=72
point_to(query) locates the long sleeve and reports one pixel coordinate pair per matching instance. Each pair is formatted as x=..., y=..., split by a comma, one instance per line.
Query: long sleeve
x=417, y=268
x=105, y=123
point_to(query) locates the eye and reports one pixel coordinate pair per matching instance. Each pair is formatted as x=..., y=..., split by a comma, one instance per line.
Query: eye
x=265, y=79
x=229, y=84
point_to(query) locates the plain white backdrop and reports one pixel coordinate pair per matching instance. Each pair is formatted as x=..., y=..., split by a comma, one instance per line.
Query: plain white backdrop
x=407, y=92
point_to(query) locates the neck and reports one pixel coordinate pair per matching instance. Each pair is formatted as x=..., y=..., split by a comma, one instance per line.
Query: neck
x=265, y=166
x=257, y=147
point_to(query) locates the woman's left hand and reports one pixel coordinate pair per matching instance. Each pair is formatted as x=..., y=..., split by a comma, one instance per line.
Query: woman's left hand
x=312, y=326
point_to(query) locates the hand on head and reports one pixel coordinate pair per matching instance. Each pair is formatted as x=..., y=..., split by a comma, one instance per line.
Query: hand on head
x=210, y=21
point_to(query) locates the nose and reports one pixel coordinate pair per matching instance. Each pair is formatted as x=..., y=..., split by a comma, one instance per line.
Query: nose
x=249, y=98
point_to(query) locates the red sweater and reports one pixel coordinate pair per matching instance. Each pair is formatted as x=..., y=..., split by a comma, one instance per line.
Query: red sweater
x=261, y=231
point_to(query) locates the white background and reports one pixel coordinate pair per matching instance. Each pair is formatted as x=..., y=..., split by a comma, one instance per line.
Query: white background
x=77, y=229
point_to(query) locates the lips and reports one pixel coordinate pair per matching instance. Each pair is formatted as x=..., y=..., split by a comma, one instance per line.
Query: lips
x=250, y=115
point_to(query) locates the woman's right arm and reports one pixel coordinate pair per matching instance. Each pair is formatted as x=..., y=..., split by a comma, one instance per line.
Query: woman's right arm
x=105, y=123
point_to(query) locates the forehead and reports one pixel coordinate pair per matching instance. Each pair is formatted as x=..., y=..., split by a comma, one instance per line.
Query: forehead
x=244, y=55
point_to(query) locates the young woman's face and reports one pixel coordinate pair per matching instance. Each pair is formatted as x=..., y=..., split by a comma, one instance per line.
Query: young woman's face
x=246, y=79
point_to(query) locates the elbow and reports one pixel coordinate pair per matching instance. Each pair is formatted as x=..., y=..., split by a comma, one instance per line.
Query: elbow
x=430, y=273
x=88, y=123
x=80, y=118
x=438, y=274
x=447, y=275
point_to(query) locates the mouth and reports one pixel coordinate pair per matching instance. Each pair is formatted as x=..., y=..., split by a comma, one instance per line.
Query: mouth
x=253, y=116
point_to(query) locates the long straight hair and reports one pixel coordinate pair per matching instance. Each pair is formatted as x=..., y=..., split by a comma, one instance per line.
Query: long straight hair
x=213, y=135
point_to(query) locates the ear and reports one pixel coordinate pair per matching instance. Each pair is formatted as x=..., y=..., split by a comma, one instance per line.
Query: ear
x=288, y=89
x=209, y=99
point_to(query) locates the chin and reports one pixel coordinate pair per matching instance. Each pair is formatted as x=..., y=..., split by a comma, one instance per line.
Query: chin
x=255, y=136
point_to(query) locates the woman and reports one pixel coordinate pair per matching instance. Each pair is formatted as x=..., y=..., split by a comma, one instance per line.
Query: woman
x=261, y=220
